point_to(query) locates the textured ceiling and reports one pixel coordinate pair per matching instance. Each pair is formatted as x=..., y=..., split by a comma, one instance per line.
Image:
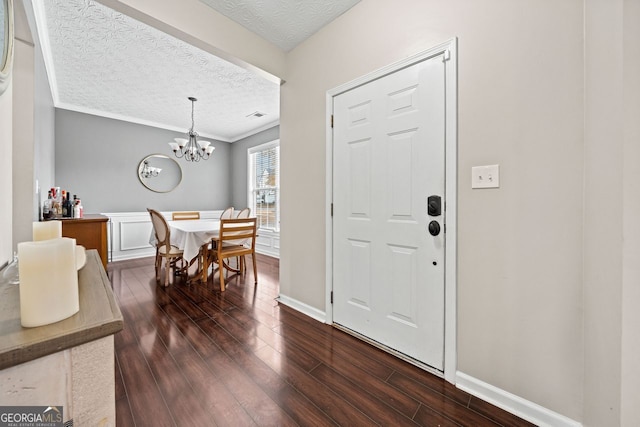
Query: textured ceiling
x=102, y=62
x=285, y=23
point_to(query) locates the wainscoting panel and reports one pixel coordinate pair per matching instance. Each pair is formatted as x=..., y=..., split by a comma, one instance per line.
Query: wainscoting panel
x=268, y=243
x=130, y=232
x=135, y=235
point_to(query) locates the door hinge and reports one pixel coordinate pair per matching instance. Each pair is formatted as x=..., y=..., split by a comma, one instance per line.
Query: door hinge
x=332, y=121
x=332, y=209
x=446, y=56
x=331, y=296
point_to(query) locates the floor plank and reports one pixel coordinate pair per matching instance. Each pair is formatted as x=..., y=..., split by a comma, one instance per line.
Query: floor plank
x=190, y=355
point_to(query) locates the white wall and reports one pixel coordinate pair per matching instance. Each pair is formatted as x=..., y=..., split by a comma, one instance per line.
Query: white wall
x=630, y=372
x=520, y=105
x=603, y=210
x=44, y=130
x=612, y=209
x=6, y=147
x=33, y=158
x=24, y=199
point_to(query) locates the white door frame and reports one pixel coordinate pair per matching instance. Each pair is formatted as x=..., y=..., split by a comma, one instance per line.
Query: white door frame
x=449, y=50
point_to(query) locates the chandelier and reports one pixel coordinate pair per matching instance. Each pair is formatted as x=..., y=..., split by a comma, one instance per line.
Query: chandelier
x=192, y=149
x=149, y=171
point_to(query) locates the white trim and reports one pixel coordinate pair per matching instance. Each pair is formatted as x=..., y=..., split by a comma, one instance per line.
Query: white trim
x=451, y=212
x=451, y=165
x=264, y=146
x=303, y=308
x=328, y=202
x=523, y=408
x=129, y=119
x=391, y=68
x=251, y=179
x=43, y=37
x=252, y=132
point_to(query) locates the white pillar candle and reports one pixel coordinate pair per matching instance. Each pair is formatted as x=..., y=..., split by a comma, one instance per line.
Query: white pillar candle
x=48, y=281
x=46, y=230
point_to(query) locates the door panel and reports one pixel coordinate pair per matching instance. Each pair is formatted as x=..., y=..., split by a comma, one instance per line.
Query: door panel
x=388, y=158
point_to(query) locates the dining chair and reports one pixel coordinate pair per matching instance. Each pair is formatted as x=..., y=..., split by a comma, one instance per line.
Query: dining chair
x=237, y=238
x=164, y=249
x=227, y=213
x=179, y=216
x=244, y=213
x=240, y=261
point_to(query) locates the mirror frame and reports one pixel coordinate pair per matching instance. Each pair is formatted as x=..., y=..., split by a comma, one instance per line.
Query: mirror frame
x=5, y=68
x=163, y=156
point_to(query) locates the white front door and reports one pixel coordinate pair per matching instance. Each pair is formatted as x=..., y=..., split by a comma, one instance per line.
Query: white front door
x=388, y=159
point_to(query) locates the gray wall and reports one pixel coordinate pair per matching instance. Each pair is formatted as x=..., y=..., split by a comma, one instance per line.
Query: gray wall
x=97, y=158
x=239, y=183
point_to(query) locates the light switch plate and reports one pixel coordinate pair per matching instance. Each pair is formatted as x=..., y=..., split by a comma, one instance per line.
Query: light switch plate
x=485, y=176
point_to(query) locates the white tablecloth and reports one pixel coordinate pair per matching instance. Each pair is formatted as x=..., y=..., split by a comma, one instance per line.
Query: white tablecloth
x=190, y=235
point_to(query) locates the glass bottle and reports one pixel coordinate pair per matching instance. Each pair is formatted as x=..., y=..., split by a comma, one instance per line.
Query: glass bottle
x=63, y=204
x=67, y=207
x=46, y=207
x=10, y=274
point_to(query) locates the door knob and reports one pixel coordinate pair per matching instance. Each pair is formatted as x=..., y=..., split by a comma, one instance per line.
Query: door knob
x=434, y=228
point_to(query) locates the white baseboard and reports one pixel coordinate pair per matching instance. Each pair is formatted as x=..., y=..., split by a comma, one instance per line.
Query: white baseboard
x=523, y=408
x=303, y=308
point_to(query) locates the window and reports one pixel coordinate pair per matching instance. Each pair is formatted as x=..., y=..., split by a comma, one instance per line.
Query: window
x=264, y=184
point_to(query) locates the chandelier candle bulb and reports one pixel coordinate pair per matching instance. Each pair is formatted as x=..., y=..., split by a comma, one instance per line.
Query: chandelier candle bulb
x=48, y=281
x=46, y=230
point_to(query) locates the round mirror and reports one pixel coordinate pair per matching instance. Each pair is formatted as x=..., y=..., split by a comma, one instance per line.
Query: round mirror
x=159, y=173
x=6, y=42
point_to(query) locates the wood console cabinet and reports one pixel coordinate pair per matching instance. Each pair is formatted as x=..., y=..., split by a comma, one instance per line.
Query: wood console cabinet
x=69, y=363
x=90, y=232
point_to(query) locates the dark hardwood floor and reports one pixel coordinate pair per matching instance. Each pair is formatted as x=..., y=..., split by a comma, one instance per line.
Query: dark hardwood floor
x=190, y=355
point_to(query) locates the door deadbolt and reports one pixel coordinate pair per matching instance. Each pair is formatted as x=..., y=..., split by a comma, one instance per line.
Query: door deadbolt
x=434, y=228
x=434, y=205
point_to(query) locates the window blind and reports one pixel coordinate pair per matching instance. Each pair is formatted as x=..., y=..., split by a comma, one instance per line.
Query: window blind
x=265, y=186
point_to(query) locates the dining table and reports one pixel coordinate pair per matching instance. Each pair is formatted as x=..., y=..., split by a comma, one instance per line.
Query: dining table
x=193, y=238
